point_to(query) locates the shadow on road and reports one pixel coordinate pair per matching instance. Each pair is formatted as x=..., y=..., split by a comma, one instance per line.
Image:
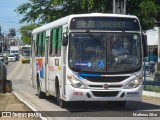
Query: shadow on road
x=101, y=109
x=103, y=106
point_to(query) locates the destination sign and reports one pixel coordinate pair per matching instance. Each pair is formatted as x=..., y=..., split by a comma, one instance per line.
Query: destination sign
x=107, y=23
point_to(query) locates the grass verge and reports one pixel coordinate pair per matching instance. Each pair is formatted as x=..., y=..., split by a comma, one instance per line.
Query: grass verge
x=152, y=88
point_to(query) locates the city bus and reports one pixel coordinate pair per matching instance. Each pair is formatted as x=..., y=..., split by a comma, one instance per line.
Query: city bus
x=25, y=53
x=75, y=59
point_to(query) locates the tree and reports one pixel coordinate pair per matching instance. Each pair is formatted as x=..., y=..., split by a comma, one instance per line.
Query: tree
x=42, y=10
x=148, y=14
x=26, y=38
x=49, y=10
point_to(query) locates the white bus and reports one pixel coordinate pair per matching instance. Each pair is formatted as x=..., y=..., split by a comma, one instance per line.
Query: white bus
x=82, y=58
x=25, y=53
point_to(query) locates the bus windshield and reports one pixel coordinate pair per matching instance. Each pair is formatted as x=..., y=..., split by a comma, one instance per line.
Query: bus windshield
x=105, y=52
x=26, y=53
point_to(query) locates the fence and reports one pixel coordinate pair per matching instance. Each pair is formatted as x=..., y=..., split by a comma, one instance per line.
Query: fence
x=151, y=80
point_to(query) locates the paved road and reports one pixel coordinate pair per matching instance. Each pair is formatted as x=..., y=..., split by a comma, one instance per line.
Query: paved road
x=19, y=74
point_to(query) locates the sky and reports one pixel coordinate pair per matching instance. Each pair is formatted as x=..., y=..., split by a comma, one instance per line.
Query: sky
x=8, y=17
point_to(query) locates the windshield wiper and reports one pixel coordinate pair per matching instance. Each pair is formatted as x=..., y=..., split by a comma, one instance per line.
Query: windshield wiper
x=93, y=36
x=118, y=38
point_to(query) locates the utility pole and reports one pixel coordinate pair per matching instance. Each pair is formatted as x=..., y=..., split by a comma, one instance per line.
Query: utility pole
x=158, y=44
x=119, y=6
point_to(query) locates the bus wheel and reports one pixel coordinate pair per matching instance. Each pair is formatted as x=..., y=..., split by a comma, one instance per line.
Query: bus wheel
x=60, y=102
x=40, y=93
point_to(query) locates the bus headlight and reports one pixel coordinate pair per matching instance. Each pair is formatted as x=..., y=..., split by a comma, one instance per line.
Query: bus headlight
x=75, y=82
x=133, y=84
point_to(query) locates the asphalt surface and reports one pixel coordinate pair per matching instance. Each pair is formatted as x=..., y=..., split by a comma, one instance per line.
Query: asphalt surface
x=10, y=102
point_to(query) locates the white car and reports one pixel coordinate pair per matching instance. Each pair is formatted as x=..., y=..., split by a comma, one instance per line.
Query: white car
x=12, y=57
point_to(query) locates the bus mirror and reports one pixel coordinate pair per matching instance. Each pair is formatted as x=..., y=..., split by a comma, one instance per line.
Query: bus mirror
x=65, y=39
x=145, y=45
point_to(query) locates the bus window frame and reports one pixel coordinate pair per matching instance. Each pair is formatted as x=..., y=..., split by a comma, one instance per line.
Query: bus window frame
x=37, y=37
x=43, y=43
x=54, y=40
x=59, y=41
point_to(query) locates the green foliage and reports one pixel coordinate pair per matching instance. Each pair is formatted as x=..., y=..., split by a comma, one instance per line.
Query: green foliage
x=152, y=88
x=103, y=6
x=26, y=38
x=148, y=13
x=145, y=10
x=46, y=11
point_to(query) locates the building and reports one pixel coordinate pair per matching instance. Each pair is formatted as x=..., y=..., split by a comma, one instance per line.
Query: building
x=152, y=39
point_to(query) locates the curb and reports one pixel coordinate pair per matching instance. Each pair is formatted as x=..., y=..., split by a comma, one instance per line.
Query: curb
x=152, y=94
x=27, y=104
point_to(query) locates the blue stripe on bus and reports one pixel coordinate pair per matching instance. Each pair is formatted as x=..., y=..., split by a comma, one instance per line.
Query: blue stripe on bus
x=81, y=75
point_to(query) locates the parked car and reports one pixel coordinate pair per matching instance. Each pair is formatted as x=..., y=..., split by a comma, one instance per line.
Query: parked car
x=25, y=59
x=12, y=58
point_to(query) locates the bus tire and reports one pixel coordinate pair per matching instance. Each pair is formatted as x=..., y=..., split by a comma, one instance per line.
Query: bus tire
x=40, y=93
x=60, y=102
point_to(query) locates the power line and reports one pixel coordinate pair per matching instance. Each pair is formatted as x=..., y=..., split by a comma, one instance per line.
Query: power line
x=10, y=22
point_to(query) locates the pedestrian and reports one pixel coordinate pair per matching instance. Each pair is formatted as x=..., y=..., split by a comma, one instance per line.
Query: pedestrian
x=152, y=69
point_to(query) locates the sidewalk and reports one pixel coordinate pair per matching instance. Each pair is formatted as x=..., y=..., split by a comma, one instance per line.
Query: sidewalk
x=9, y=102
x=151, y=94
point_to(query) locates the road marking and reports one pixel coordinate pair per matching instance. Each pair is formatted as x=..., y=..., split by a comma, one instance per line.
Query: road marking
x=13, y=71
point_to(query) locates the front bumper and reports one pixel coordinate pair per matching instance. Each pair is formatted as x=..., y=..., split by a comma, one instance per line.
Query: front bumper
x=76, y=94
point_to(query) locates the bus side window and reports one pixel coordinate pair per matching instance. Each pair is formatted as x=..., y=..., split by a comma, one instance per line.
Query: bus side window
x=37, y=44
x=59, y=41
x=43, y=43
x=50, y=44
x=53, y=45
x=55, y=42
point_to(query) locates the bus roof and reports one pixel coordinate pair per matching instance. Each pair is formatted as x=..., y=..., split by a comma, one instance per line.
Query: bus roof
x=26, y=46
x=65, y=20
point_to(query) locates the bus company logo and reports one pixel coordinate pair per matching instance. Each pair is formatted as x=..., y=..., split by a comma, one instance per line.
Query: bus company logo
x=105, y=86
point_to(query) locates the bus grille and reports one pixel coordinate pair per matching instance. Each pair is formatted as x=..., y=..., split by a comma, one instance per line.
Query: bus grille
x=106, y=79
x=105, y=93
x=101, y=86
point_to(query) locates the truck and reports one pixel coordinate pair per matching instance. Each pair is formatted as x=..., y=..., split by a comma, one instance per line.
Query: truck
x=14, y=50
